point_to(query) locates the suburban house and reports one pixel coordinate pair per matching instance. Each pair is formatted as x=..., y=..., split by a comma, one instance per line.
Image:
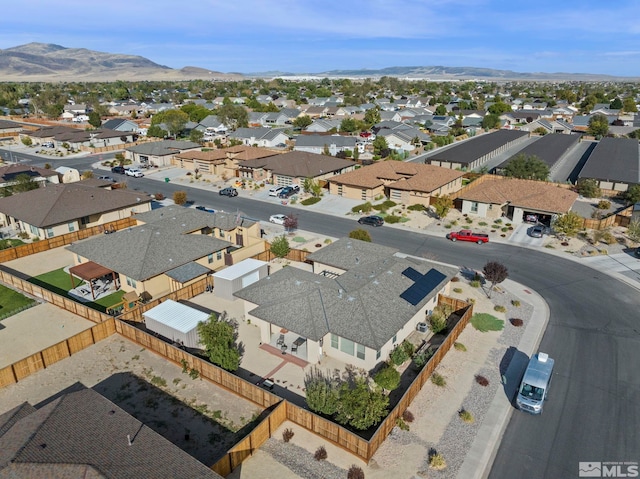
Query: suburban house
x=10, y=172
x=220, y=162
x=293, y=167
x=407, y=183
x=323, y=125
x=158, y=153
x=64, y=208
x=318, y=143
x=498, y=196
x=358, y=304
x=551, y=149
x=171, y=248
x=69, y=435
x=614, y=164
x=405, y=138
x=120, y=124
x=263, y=136
x=10, y=128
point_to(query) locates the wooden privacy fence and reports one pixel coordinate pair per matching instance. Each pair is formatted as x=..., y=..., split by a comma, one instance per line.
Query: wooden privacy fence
x=62, y=240
x=249, y=444
x=51, y=355
x=50, y=297
x=293, y=255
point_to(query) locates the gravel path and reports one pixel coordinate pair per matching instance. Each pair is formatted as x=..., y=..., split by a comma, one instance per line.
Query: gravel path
x=300, y=461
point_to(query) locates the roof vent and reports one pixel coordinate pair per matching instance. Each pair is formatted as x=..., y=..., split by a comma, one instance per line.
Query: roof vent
x=542, y=357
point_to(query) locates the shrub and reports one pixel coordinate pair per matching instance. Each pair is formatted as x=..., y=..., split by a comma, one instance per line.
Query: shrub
x=310, y=201
x=392, y=219
x=417, y=207
x=475, y=283
x=504, y=229
x=363, y=208
x=438, y=379
x=158, y=196
x=457, y=290
x=483, y=223
x=422, y=358
x=437, y=322
x=455, y=279
x=180, y=197
x=401, y=424
x=398, y=355
x=481, y=380
x=280, y=246
x=436, y=461
x=389, y=204
x=387, y=378
x=287, y=434
x=459, y=347
x=408, y=347
x=466, y=416
x=408, y=416
x=500, y=309
x=360, y=234
x=515, y=302
x=320, y=454
x=497, y=221
x=517, y=322
x=484, y=322
x=355, y=473
x=468, y=220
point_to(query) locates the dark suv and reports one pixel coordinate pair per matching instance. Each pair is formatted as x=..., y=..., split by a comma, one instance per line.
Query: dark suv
x=371, y=220
x=118, y=169
x=229, y=192
x=288, y=191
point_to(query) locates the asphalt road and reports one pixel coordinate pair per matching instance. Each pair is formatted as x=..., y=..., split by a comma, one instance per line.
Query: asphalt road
x=593, y=334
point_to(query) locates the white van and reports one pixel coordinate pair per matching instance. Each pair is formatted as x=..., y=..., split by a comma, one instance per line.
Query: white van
x=535, y=384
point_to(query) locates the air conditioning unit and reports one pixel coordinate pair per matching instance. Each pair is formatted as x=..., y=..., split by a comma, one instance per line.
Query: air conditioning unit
x=422, y=327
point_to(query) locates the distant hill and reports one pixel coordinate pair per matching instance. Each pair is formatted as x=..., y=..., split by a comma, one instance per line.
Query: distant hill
x=451, y=73
x=49, y=62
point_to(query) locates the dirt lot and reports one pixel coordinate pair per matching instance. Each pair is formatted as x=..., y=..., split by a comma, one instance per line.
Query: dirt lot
x=200, y=418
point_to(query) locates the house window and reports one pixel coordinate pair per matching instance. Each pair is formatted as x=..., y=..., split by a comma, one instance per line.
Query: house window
x=339, y=190
x=334, y=341
x=131, y=282
x=474, y=206
x=49, y=232
x=359, y=351
x=363, y=194
x=219, y=255
x=34, y=230
x=84, y=220
x=72, y=227
x=378, y=353
x=395, y=339
x=210, y=258
x=347, y=346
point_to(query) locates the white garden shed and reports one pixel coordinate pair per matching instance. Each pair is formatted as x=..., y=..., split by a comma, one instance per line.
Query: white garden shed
x=176, y=322
x=234, y=278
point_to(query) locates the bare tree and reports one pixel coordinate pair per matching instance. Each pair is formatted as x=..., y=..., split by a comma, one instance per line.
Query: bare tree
x=495, y=273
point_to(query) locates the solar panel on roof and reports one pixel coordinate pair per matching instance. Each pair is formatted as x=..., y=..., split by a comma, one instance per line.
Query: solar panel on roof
x=422, y=286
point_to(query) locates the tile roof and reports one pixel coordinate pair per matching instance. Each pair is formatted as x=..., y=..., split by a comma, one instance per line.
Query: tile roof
x=527, y=194
x=299, y=164
x=363, y=304
x=61, y=203
x=83, y=434
x=399, y=175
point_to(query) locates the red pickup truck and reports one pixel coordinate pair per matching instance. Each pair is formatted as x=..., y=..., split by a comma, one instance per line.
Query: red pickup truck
x=468, y=235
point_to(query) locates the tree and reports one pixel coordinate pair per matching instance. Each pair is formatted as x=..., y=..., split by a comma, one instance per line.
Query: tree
x=568, y=224
x=290, y=223
x=442, y=205
x=499, y=107
x=196, y=136
x=175, y=121
x=311, y=186
x=94, y=119
x=348, y=125
x=372, y=116
x=616, y=104
x=87, y=174
x=321, y=392
x=359, y=406
x=180, y=197
x=441, y=110
x=360, y=234
x=491, y=121
x=280, y=246
x=633, y=231
x=234, y=116
x=632, y=195
x=156, y=131
x=219, y=335
x=379, y=145
x=495, y=273
x=588, y=187
x=629, y=105
x=387, y=378
x=302, y=121
x=23, y=183
x=598, y=125
x=26, y=141
x=527, y=167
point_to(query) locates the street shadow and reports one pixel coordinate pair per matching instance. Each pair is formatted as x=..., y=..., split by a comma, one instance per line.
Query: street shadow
x=512, y=366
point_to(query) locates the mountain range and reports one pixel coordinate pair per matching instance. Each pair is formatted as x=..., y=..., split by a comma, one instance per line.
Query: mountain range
x=49, y=63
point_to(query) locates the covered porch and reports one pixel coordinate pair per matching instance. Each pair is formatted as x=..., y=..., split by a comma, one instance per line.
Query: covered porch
x=100, y=280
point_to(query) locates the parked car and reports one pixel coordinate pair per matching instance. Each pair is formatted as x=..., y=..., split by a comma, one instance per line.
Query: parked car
x=373, y=220
x=288, y=191
x=275, y=190
x=277, y=219
x=118, y=169
x=537, y=231
x=48, y=144
x=107, y=178
x=135, y=172
x=228, y=192
x=468, y=235
x=531, y=218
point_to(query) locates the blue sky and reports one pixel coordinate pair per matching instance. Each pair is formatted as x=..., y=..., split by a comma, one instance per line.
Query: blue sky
x=305, y=36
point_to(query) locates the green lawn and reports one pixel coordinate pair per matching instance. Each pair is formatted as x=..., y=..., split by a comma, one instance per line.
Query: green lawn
x=484, y=322
x=10, y=243
x=12, y=301
x=103, y=303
